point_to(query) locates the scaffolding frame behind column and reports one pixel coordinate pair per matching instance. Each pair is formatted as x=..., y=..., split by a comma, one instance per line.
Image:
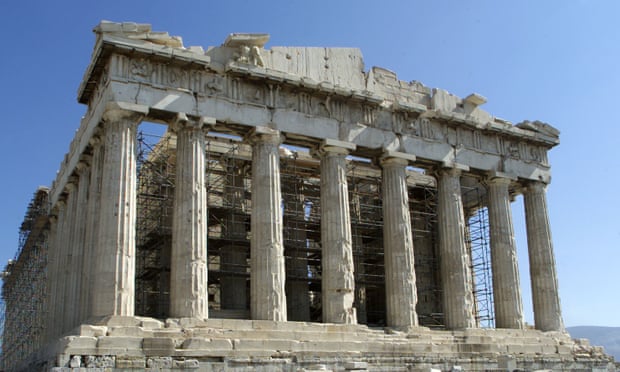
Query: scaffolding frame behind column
x=478, y=242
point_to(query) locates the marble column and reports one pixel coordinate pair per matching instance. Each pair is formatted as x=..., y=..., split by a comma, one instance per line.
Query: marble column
x=506, y=286
x=189, y=295
x=337, y=278
x=267, y=274
x=83, y=171
x=52, y=275
x=68, y=264
x=92, y=224
x=545, y=295
x=114, y=272
x=458, y=300
x=400, y=280
x=60, y=245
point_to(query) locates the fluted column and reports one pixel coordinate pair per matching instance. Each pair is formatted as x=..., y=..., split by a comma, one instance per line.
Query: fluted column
x=458, y=301
x=188, y=269
x=545, y=295
x=268, y=298
x=337, y=278
x=506, y=286
x=60, y=244
x=52, y=276
x=92, y=225
x=68, y=264
x=116, y=249
x=83, y=171
x=400, y=281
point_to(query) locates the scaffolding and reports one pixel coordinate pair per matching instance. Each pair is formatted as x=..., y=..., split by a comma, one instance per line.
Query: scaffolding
x=228, y=205
x=478, y=243
x=24, y=291
x=228, y=184
x=423, y=209
x=155, y=194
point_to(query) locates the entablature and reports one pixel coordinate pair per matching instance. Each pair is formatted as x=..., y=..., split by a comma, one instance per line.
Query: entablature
x=309, y=94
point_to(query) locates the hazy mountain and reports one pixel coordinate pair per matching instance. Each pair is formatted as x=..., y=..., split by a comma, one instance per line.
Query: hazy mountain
x=608, y=337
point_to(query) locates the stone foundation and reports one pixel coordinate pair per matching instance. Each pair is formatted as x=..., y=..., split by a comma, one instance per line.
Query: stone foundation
x=122, y=343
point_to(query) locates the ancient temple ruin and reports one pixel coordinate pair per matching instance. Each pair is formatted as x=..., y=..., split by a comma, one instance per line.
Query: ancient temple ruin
x=292, y=212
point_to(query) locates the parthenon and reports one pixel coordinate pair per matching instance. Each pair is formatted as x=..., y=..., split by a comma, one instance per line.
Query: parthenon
x=288, y=211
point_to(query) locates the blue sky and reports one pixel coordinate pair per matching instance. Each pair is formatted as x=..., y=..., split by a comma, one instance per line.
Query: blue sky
x=554, y=61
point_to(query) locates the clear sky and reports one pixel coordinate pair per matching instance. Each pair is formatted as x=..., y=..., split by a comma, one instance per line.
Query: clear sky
x=554, y=61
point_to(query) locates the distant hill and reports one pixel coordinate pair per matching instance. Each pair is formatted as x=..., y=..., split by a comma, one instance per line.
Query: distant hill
x=607, y=337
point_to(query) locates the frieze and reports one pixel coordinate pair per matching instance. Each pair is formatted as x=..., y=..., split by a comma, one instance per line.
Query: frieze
x=305, y=103
x=338, y=109
x=315, y=103
x=234, y=88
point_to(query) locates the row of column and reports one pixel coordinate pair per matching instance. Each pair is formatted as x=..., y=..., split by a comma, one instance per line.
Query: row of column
x=107, y=183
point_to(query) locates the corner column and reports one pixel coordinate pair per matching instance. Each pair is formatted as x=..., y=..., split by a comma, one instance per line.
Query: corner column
x=545, y=295
x=506, y=286
x=114, y=271
x=267, y=274
x=400, y=280
x=188, y=263
x=337, y=279
x=458, y=300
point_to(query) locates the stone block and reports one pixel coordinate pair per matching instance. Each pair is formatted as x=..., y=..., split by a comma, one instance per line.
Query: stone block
x=264, y=344
x=158, y=343
x=130, y=363
x=172, y=323
x=264, y=324
x=158, y=363
x=167, y=332
x=524, y=349
x=207, y=344
x=152, y=324
x=94, y=331
x=355, y=366
x=120, y=321
x=120, y=343
x=192, y=323
x=83, y=342
x=158, y=346
x=507, y=362
x=186, y=364
x=132, y=331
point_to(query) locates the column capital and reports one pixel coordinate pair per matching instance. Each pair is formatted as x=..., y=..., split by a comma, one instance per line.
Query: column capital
x=333, y=146
x=498, y=178
x=62, y=201
x=534, y=186
x=96, y=140
x=264, y=134
x=183, y=121
x=115, y=111
x=454, y=169
x=83, y=164
x=71, y=183
x=390, y=157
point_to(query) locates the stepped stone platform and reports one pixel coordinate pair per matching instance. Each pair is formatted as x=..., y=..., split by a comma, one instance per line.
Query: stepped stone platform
x=138, y=343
